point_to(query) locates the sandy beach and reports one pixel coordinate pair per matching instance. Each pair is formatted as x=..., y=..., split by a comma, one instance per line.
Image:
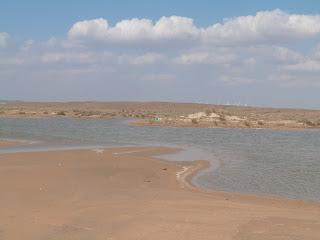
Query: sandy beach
x=125, y=193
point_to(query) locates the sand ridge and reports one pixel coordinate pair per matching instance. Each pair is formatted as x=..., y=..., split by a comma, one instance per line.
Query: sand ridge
x=86, y=194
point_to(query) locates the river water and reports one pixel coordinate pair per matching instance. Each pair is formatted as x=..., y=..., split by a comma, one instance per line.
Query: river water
x=255, y=161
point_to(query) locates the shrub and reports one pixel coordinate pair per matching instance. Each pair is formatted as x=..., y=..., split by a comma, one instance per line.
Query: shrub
x=309, y=123
x=260, y=123
x=195, y=121
x=210, y=111
x=222, y=118
x=61, y=113
x=247, y=124
x=89, y=113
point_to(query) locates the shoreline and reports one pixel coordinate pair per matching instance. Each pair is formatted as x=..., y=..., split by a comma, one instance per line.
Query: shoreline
x=190, y=171
x=71, y=194
x=189, y=168
x=8, y=143
x=184, y=176
x=138, y=123
x=171, y=114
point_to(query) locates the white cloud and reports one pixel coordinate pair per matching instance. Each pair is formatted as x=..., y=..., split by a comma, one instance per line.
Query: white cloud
x=148, y=58
x=3, y=39
x=264, y=27
x=305, y=66
x=166, y=28
x=68, y=57
x=206, y=57
x=275, y=54
x=96, y=28
x=282, y=54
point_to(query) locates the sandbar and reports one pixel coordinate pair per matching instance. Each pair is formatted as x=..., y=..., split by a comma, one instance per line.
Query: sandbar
x=126, y=193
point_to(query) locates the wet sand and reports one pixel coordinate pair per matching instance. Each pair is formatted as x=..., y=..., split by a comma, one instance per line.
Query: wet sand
x=125, y=193
x=6, y=143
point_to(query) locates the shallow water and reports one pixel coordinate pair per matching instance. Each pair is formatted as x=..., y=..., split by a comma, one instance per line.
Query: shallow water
x=266, y=162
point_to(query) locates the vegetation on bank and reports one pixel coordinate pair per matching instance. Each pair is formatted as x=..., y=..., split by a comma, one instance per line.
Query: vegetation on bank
x=172, y=114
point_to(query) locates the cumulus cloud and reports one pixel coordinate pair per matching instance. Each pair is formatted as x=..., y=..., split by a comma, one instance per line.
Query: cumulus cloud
x=166, y=28
x=3, y=39
x=265, y=26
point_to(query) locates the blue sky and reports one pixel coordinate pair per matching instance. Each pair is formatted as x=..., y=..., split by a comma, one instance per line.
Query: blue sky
x=42, y=19
x=264, y=53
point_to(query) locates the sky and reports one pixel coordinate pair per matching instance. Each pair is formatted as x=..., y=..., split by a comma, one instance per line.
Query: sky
x=259, y=53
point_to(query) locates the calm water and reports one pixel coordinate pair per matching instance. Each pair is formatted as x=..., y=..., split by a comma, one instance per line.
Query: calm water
x=266, y=162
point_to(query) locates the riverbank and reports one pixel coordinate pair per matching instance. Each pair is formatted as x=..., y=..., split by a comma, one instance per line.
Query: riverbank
x=7, y=143
x=126, y=193
x=170, y=114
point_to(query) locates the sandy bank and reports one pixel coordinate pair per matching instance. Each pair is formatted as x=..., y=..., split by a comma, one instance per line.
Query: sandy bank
x=6, y=143
x=124, y=193
x=170, y=114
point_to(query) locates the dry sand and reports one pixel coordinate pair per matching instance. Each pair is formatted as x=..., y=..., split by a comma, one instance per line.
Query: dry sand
x=124, y=193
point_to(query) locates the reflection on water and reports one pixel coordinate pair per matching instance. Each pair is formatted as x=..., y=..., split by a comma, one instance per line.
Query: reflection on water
x=282, y=163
